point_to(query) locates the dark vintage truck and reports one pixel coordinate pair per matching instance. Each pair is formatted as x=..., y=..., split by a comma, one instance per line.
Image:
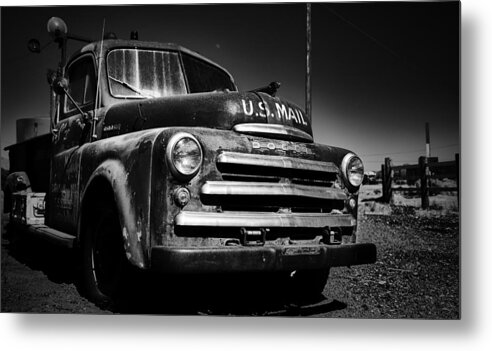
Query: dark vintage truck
x=155, y=161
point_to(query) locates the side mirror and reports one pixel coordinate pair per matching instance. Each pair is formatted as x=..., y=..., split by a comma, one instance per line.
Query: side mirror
x=60, y=85
x=51, y=75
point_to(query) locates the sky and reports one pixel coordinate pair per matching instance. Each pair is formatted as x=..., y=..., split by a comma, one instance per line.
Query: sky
x=379, y=70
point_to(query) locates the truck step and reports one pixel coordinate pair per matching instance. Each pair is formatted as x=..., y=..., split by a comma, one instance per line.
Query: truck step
x=52, y=235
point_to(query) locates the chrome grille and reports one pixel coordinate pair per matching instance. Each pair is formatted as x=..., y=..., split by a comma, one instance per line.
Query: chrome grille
x=266, y=183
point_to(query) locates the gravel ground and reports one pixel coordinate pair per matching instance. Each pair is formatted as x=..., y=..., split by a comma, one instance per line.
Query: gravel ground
x=416, y=276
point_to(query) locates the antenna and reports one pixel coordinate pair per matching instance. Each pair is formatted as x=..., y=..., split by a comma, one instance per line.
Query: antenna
x=97, y=103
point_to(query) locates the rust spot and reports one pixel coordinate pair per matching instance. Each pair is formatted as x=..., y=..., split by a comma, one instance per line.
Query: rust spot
x=125, y=234
x=139, y=230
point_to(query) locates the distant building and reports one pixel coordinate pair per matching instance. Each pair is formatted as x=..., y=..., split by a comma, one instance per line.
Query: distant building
x=369, y=177
x=411, y=173
x=28, y=128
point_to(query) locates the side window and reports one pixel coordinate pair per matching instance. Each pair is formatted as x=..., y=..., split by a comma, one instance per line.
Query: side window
x=81, y=84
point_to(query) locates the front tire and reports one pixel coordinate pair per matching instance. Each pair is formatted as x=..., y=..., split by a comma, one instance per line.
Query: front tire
x=308, y=284
x=104, y=266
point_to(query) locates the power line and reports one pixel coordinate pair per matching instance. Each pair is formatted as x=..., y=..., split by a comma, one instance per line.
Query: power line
x=393, y=153
x=381, y=162
x=443, y=147
x=421, y=67
x=384, y=46
x=409, y=151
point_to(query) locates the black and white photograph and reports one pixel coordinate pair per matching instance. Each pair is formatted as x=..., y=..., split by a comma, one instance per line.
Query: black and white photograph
x=256, y=160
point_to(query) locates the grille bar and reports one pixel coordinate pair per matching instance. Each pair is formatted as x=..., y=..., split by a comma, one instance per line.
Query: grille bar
x=263, y=220
x=282, y=162
x=228, y=188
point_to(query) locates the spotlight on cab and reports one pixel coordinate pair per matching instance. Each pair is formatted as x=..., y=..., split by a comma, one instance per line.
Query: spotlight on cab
x=57, y=28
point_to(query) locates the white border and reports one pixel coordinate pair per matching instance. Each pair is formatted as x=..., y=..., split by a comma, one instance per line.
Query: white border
x=79, y=332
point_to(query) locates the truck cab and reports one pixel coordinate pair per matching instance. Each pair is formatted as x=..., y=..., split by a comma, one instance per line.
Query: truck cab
x=157, y=162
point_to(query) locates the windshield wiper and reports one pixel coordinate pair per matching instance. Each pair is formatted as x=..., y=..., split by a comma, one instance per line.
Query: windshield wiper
x=129, y=86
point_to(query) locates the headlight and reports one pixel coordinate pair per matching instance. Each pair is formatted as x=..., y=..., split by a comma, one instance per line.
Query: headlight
x=184, y=155
x=353, y=169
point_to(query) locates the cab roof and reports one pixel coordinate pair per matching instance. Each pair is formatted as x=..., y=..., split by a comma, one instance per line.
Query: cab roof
x=109, y=44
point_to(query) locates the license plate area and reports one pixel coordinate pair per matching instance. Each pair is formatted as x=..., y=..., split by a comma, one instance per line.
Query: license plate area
x=302, y=251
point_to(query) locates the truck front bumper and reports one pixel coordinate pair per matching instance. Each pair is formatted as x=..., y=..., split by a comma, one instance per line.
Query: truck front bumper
x=259, y=259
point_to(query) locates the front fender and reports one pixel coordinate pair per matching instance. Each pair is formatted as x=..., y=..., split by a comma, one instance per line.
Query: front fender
x=114, y=172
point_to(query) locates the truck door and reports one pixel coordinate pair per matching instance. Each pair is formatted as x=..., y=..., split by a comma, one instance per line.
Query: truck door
x=71, y=132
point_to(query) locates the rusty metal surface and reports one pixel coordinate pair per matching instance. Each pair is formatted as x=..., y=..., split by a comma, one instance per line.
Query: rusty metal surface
x=211, y=110
x=125, y=163
x=255, y=259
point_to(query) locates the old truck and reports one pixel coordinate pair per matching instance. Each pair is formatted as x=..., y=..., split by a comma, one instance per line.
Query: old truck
x=155, y=161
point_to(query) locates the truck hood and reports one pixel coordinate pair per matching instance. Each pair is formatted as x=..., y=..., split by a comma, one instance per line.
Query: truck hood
x=245, y=112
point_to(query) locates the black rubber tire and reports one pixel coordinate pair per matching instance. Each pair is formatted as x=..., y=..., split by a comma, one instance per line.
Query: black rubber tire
x=308, y=284
x=104, y=267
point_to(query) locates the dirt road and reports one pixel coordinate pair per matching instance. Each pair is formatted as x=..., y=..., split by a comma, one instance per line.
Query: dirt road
x=416, y=276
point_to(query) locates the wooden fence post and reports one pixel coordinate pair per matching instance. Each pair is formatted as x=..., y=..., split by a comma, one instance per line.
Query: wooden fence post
x=457, y=160
x=387, y=174
x=424, y=190
x=383, y=181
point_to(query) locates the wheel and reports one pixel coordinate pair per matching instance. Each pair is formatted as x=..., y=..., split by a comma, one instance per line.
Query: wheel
x=104, y=268
x=308, y=284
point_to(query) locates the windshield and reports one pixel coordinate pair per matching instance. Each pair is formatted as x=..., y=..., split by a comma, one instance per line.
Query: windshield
x=204, y=77
x=144, y=73
x=137, y=73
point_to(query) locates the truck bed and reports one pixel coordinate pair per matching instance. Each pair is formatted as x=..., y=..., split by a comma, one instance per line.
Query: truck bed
x=33, y=157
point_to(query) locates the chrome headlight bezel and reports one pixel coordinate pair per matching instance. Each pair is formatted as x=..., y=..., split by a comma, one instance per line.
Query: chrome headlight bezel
x=174, y=169
x=346, y=164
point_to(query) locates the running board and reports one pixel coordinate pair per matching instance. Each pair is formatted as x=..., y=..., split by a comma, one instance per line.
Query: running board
x=46, y=233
